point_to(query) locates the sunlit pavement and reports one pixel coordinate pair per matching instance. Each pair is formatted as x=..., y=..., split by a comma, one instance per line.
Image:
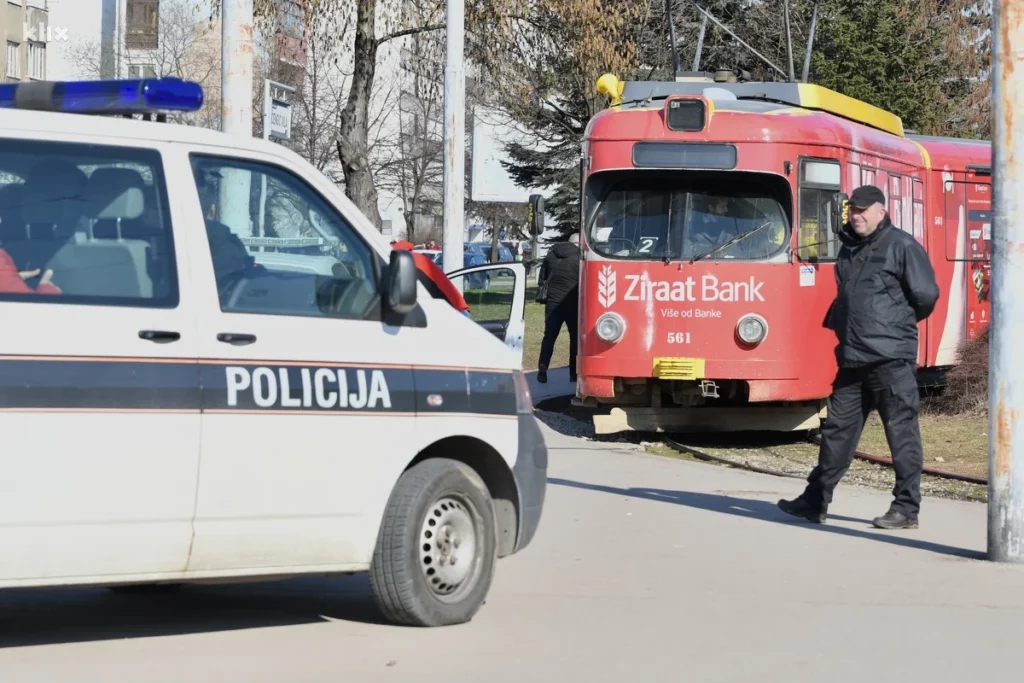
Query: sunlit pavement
x=644, y=568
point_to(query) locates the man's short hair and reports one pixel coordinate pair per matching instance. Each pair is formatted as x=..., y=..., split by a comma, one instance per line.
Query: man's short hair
x=574, y=238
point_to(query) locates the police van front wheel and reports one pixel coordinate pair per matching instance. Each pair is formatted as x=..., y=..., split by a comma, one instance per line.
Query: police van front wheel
x=436, y=550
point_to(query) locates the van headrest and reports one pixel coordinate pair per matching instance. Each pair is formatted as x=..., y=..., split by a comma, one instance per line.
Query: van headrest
x=54, y=193
x=116, y=193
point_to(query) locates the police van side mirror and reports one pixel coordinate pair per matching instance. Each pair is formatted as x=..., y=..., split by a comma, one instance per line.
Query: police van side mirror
x=536, y=219
x=402, y=287
x=839, y=211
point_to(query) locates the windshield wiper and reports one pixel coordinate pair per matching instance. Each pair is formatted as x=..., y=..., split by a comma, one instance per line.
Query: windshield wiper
x=729, y=243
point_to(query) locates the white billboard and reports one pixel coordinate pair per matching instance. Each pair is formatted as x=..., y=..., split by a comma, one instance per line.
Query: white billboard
x=492, y=130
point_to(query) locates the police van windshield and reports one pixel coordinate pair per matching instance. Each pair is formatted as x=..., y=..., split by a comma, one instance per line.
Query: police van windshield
x=681, y=216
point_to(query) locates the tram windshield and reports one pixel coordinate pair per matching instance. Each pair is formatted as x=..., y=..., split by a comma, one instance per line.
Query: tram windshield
x=686, y=216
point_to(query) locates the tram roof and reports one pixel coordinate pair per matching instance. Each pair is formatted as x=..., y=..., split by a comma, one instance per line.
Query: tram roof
x=636, y=94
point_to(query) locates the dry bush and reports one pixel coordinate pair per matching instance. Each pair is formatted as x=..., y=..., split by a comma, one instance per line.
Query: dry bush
x=966, y=390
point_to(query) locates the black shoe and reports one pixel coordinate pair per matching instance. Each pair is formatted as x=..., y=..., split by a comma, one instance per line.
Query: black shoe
x=542, y=376
x=895, y=520
x=800, y=508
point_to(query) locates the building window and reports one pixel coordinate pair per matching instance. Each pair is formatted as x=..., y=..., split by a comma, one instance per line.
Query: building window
x=291, y=20
x=820, y=180
x=142, y=71
x=143, y=22
x=13, y=62
x=37, y=61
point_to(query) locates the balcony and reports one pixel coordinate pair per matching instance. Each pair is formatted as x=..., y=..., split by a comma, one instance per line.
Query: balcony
x=142, y=25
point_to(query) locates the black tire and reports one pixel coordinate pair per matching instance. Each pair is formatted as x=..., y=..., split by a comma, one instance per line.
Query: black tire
x=408, y=547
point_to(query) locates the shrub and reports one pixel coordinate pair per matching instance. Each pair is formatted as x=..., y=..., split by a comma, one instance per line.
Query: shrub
x=966, y=389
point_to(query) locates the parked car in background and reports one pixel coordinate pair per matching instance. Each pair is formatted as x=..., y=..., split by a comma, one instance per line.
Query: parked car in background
x=469, y=259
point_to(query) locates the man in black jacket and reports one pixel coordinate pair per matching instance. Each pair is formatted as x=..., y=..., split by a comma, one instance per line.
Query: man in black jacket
x=886, y=286
x=561, y=272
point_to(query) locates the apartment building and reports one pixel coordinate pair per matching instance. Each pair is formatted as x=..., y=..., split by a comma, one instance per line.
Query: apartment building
x=27, y=31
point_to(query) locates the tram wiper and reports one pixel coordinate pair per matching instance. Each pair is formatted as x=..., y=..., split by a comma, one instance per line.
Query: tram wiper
x=729, y=243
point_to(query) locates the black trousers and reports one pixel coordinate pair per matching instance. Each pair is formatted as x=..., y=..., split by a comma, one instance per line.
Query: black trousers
x=891, y=387
x=554, y=316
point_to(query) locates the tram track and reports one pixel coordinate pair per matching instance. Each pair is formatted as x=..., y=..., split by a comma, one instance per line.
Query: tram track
x=860, y=455
x=564, y=407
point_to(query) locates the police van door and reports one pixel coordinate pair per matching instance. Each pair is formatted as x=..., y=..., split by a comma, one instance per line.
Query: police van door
x=496, y=295
x=307, y=407
x=99, y=381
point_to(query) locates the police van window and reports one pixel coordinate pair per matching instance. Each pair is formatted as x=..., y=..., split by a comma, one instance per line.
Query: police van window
x=86, y=225
x=642, y=216
x=819, y=181
x=278, y=248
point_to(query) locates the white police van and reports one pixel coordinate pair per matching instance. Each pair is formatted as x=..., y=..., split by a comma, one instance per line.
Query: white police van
x=213, y=368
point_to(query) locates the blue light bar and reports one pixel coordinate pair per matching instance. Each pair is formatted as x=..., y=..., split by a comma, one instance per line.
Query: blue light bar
x=137, y=96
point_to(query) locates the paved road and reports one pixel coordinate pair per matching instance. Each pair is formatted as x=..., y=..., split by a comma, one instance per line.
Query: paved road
x=643, y=567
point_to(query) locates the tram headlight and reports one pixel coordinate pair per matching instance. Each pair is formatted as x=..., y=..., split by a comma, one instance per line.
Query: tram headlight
x=752, y=329
x=610, y=327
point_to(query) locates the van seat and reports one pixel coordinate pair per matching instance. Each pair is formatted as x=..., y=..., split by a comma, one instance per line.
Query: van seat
x=51, y=204
x=100, y=269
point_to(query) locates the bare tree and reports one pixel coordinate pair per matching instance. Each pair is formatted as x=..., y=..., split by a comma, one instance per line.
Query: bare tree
x=415, y=170
x=188, y=47
x=319, y=95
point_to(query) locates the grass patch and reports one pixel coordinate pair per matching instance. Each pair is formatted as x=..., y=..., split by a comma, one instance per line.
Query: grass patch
x=535, y=335
x=495, y=302
x=954, y=443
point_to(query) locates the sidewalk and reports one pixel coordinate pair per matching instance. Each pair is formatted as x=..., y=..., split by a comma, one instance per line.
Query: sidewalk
x=558, y=384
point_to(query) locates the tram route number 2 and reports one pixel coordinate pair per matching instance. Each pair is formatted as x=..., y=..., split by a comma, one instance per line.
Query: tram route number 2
x=646, y=245
x=678, y=337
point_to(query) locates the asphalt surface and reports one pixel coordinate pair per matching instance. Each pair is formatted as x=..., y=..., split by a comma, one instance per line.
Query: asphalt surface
x=644, y=568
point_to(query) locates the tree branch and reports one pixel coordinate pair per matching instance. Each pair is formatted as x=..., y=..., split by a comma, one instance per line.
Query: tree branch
x=409, y=32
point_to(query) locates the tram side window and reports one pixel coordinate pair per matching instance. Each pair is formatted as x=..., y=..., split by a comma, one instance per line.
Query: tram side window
x=819, y=181
x=918, y=219
x=896, y=202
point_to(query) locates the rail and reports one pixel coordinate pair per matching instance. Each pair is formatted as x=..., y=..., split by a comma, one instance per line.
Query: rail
x=702, y=455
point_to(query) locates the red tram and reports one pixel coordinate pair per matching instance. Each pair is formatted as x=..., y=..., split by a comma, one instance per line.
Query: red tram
x=709, y=217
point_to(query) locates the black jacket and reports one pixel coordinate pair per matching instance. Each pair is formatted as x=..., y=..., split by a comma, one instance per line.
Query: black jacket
x=885, y=286
x=561, y=271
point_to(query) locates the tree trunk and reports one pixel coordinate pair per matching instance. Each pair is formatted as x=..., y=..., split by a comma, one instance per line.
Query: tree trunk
x=495, y=228
x=353, y=134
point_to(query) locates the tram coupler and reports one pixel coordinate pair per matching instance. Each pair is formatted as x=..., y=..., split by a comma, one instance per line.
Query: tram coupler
x=708, y=389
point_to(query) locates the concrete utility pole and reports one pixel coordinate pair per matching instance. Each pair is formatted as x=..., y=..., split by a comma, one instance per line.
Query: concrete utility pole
x=236, y=109
x=236, y=67
x=1006, y=367
x=454, y=139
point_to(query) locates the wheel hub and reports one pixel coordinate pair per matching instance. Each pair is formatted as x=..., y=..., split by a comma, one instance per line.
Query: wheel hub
x=448, y=545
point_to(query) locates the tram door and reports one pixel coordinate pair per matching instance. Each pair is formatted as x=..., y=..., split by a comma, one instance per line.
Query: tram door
x=979, y=253
x=967, y=247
